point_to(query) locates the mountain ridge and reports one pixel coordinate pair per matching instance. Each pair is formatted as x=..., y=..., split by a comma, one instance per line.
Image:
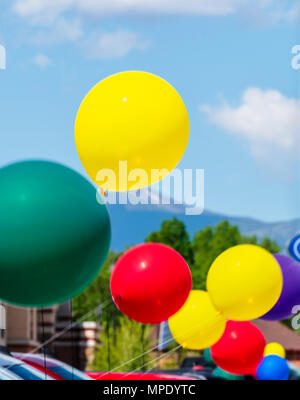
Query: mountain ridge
x=131, y=224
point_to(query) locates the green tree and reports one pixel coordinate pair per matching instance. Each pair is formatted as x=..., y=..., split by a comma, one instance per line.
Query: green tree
x=207, y=245
x=270, y=245
x=96, y=294
x=173, y=233
x=128, y=342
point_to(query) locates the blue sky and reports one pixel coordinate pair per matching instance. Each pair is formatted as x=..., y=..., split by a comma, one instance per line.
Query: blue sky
x=229, y=59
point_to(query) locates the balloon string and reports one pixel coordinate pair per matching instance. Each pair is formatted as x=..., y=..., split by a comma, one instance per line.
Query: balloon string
x=157, y=358
x=143, y=343
x=72, y=338
x=107, y=328
x=44, y=348
x=152, y=361
x=148, y=351
x=162, y=356
x=139, y=356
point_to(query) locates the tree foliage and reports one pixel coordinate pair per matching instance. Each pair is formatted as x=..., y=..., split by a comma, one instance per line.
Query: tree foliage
x=97, y=294
x=126, y=342
x=174, y=234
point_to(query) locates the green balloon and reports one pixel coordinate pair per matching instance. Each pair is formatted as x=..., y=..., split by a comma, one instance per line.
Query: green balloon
x=208, y=358
x=55, y=236
x=220, y=373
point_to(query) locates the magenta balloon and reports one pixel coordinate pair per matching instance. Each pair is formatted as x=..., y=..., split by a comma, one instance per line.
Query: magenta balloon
x=290, y=295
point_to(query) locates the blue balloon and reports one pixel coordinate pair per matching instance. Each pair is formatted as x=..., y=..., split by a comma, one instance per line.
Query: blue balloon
x=273, y=368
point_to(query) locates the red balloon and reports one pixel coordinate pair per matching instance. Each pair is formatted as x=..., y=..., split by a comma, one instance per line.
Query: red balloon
x=150, y=282
x=240, y=349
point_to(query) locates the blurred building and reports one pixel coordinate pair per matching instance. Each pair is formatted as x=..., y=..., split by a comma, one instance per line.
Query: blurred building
x=24, y=330
x=76, y=346
x=2, y=325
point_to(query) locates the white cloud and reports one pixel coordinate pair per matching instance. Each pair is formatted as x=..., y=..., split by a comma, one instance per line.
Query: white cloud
x=61, y=31
x=266, y=119
x=293, y=13
x=42, y=11
x=49, y=9
x=42, y=60
x=114, y=44
x=273, y=11
x=57, y=21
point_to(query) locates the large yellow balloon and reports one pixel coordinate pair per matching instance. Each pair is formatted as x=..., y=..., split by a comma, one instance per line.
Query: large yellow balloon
x=274, y=348
x=244, y=282
x=135, y=118
x=197, y=325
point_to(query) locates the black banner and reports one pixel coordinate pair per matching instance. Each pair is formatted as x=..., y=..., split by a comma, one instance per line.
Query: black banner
x=89, y=390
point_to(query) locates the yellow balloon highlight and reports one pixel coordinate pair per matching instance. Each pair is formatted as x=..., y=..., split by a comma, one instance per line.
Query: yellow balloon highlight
x=131, y=130
x=197, y=325
x=244, y=282
x=274, y=348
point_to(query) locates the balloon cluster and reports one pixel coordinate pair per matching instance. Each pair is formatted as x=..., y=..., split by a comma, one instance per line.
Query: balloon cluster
x=151, y=283
x=241, y=349
x=55, y=236
x=243, y=283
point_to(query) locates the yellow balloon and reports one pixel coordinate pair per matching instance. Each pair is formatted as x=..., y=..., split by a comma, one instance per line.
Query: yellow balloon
x=274, y=348
x=131, y=130
x=244, y=282
x=197, y=325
